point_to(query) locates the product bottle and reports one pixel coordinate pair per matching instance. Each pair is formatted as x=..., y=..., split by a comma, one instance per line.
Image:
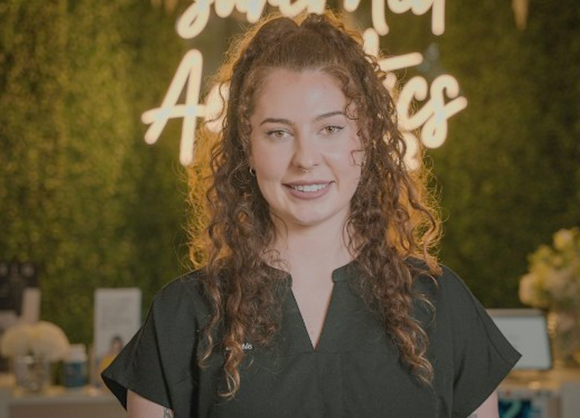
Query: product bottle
x=75, y=367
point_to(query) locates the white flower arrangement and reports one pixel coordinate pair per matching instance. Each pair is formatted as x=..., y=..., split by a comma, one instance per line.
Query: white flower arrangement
x=43, y=339
x=553, y=280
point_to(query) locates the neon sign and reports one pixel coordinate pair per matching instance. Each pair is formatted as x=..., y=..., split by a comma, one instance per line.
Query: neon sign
x=439, y=101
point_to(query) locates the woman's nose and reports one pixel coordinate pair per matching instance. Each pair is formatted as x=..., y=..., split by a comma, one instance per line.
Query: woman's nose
x=306, y=152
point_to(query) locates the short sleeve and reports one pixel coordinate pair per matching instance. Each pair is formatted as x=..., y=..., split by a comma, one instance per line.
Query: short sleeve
x=482, y=356
x=160, y=361
x=139, y=367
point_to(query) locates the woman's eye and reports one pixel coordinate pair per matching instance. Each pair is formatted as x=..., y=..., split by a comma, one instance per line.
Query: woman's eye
x=332, y=129
x=276, y=134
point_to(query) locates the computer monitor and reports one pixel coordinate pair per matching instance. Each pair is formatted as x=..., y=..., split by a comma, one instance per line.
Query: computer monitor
x=527, y=331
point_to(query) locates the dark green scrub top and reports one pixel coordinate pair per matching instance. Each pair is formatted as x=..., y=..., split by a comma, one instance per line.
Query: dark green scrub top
x=353, y=372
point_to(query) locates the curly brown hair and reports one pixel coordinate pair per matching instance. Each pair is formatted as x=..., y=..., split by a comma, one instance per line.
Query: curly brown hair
x=392, y=220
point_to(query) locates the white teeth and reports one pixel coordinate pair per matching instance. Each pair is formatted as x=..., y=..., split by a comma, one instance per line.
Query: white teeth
x=310, y=188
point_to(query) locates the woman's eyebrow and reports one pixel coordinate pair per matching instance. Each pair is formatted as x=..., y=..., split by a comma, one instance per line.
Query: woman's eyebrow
x=276, y=120
x=328, y=115
x=290, y=123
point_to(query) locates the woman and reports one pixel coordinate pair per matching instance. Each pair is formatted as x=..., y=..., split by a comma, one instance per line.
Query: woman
x=317, y=295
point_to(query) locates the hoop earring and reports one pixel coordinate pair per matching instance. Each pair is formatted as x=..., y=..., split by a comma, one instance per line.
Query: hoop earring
x=252, y=172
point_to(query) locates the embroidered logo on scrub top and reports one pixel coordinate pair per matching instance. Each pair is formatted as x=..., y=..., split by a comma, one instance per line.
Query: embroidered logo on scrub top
x=245, y=347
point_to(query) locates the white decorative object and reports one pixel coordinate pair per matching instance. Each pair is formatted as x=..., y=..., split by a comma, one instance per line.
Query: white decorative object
x=43, y=339
x=553, y=280
x=553, y=284
x=31, y=373
x=32, y=348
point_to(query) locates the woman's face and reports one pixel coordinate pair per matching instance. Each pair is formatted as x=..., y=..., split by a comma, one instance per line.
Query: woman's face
x=304, y=149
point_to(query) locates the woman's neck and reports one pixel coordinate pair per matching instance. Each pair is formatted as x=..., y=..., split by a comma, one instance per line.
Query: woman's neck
x=313, y=249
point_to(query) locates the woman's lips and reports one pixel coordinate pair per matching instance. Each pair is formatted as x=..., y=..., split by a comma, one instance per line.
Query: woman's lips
x=311, y=189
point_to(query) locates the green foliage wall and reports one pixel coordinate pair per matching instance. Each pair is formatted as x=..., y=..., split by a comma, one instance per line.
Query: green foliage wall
x=82, y=195
x=509, y=172
x=80, y=192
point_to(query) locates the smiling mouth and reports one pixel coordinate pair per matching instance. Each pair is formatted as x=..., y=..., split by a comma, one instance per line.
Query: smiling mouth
x=309, y=188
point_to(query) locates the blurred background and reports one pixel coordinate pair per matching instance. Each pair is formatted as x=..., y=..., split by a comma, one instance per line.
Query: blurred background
x=85, y=199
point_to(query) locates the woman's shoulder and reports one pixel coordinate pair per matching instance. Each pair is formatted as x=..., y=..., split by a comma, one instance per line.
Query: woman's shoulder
x=446, y=282
x=186, y=284
x=450, y=297
x=184, y=293
x=452, y=285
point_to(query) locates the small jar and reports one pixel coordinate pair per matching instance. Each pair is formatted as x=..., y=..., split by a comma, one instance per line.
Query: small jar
x=75, y=370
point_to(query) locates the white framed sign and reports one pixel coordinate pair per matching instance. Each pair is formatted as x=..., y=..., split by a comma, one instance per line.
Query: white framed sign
x=117, y=319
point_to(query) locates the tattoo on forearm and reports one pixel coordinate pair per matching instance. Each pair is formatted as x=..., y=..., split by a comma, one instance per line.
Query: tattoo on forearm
x=167, y=413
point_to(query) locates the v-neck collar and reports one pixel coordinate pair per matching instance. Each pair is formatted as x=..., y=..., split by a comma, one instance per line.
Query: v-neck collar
x=339, y=274
x=343, y=317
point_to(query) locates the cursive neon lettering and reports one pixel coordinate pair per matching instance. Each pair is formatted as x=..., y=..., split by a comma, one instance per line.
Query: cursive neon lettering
x=195, y=18
x=435, y=112
x=439, y=102
x=417, y=7
x=293, y=8
x=187, y=76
